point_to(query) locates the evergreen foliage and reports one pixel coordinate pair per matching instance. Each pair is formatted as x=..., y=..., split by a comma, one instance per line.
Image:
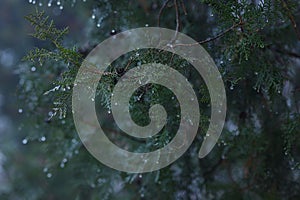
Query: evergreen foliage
x=255, y=46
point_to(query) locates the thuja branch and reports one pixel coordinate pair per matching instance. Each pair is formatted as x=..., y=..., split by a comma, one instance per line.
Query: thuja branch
x=44, y=29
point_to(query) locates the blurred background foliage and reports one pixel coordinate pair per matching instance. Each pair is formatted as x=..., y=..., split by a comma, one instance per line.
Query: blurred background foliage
x=255, y=45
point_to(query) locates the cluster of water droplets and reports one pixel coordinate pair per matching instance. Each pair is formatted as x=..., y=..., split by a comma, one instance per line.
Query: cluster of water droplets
x=46, y=171
x=59, y=3
x=63, y=162
x=41, y=139
x=99, y=17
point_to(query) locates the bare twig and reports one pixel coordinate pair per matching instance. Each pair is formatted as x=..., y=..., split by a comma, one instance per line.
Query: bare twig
x=177, y=15
x=211, y=39
x=289, y=53
x=183, y=7
x=292, y=19
x=177, y=20
x=128, y=64
x=161, y=11
x=94, y=71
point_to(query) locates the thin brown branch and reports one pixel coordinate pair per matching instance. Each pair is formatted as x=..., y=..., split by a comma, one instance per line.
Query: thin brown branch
x=161, y=11
x=183, y=7
x=177, y=16
x=211, y=39
x=128, y=64
x=289, y=53
x=292, y=19
x=94, y=71
x=177, y=20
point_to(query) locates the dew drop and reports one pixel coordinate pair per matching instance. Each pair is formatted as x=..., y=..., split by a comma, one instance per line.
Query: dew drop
x=49, y=4
x=98, y=25
x=24, y=141
x=62, y=165
x=33, y=69
x=231, y=87
x=58, y=3
x=170, y=45
x=45, y=169
x=109, y=112
x=49, y=175
x=93, y=16
x=61, y=7
x=140, y=176
x=146, y=25
x=50, y=114
x=40, y=4
x=20, y=110
x=43, y=139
